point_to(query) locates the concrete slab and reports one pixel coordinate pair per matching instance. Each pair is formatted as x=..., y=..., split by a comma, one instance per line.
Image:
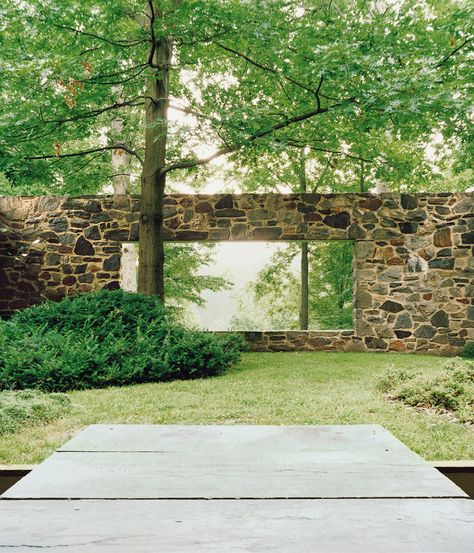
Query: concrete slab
x=160, y=462
x=347, y=443
x=276, y=526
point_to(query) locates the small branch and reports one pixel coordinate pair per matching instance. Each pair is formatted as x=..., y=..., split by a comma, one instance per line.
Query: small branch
x=88, y=114
x=186, y=164
x=444, y=60
x=152, y=16
x=263, y=67
x=95, y=80
x=119, y=43
x=318, y=99
x=92, y=151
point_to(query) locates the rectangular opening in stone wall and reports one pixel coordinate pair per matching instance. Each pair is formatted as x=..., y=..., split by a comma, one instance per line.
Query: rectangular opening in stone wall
x=256, y=285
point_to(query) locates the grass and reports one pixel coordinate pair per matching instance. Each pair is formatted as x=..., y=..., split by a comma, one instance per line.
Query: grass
x=274, y=388
x=27, y=407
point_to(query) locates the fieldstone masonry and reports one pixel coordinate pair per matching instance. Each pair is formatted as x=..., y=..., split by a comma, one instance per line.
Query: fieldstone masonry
x=413, y=256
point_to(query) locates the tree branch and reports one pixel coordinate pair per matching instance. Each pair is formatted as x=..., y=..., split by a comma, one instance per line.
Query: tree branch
x=263, y=67
x=58, y=122
x=445, y=59
x=186, y=164
x=119, y=43
x=152, y=16
x=92, y=151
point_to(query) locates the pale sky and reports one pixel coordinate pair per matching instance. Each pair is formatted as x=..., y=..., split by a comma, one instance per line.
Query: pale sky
x=239, y=262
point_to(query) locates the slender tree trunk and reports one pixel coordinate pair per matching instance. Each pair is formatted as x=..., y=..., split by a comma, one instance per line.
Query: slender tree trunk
x=304, y=302
x=120, y=160
x=304, y=299
x=362, y=176
x=151, y=260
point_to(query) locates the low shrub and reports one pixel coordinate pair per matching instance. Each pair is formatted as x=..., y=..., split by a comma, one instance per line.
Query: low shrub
x=452, y=388
x=25, y=407
x=107, y=338
x=468, y=351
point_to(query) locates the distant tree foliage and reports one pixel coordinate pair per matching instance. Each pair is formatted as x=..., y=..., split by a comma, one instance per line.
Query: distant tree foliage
x=364, y=86
x=272, y=301
x=184, y=278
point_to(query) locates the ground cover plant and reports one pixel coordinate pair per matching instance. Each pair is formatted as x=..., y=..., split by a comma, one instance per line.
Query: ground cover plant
x=107, y=338
x=265, y=388
x=450, y=390
x=28, y=407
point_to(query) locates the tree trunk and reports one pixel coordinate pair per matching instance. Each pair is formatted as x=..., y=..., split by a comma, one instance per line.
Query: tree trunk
x=120, y=160
x=304, y=300
x=151, y=260
x=362, y=176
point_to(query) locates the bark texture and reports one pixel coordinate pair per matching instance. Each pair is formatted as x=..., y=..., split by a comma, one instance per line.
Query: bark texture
x=151, y=264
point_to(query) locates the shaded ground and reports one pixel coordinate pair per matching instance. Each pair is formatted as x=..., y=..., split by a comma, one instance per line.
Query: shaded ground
x=266, y=388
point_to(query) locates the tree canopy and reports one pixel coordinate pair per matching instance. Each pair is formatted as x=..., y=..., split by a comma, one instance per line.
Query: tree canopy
x=354, y=81
x=364, y=86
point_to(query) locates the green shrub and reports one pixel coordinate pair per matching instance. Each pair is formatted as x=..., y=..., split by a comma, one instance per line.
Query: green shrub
x=468, y=351
x=18, y=409
x=107, y=338
x=452, y=388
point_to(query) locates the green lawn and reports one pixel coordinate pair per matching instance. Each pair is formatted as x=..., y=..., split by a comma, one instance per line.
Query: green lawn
x=273, y=388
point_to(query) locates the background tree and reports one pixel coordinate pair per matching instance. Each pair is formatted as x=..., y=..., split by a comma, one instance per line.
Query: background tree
x=272, y=301
x=253, y=75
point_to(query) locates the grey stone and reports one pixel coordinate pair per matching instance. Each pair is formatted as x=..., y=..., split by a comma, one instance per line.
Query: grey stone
x=440, y=319
x=267, y=233
x=225, y=202
x=58, y=224
x=445, y=252
x=408, y=228
x=425, y=331
x=191, y=235
x=219, y=234
x=375, y=343
x=86, y=278
x=446, y=263
x=93, y=206
x=48, y=203
x=417, y=264
x=53, y=259
x=418, y=216
x=408, y=201
x=169, y=211
x=49, y=236
x=391, y=306
x=67, y=238
x=363, y=300
x=119, y=235
x=442, y=237
x=83, y=247
x=112, y=263
x=403, y=321
x=364, y=250
x=467, y=237
x=372, y=203
x=339, y=220
x=100, y=218
x=385, y=234
x=401, y=334
x=470, y=313
x=356, y=232
x=112, y=285
x=239, y=231
x=230, y=213
x=391, y=274
x=92, y=233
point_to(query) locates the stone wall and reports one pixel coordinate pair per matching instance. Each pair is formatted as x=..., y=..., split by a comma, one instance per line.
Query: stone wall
x=413, y=255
